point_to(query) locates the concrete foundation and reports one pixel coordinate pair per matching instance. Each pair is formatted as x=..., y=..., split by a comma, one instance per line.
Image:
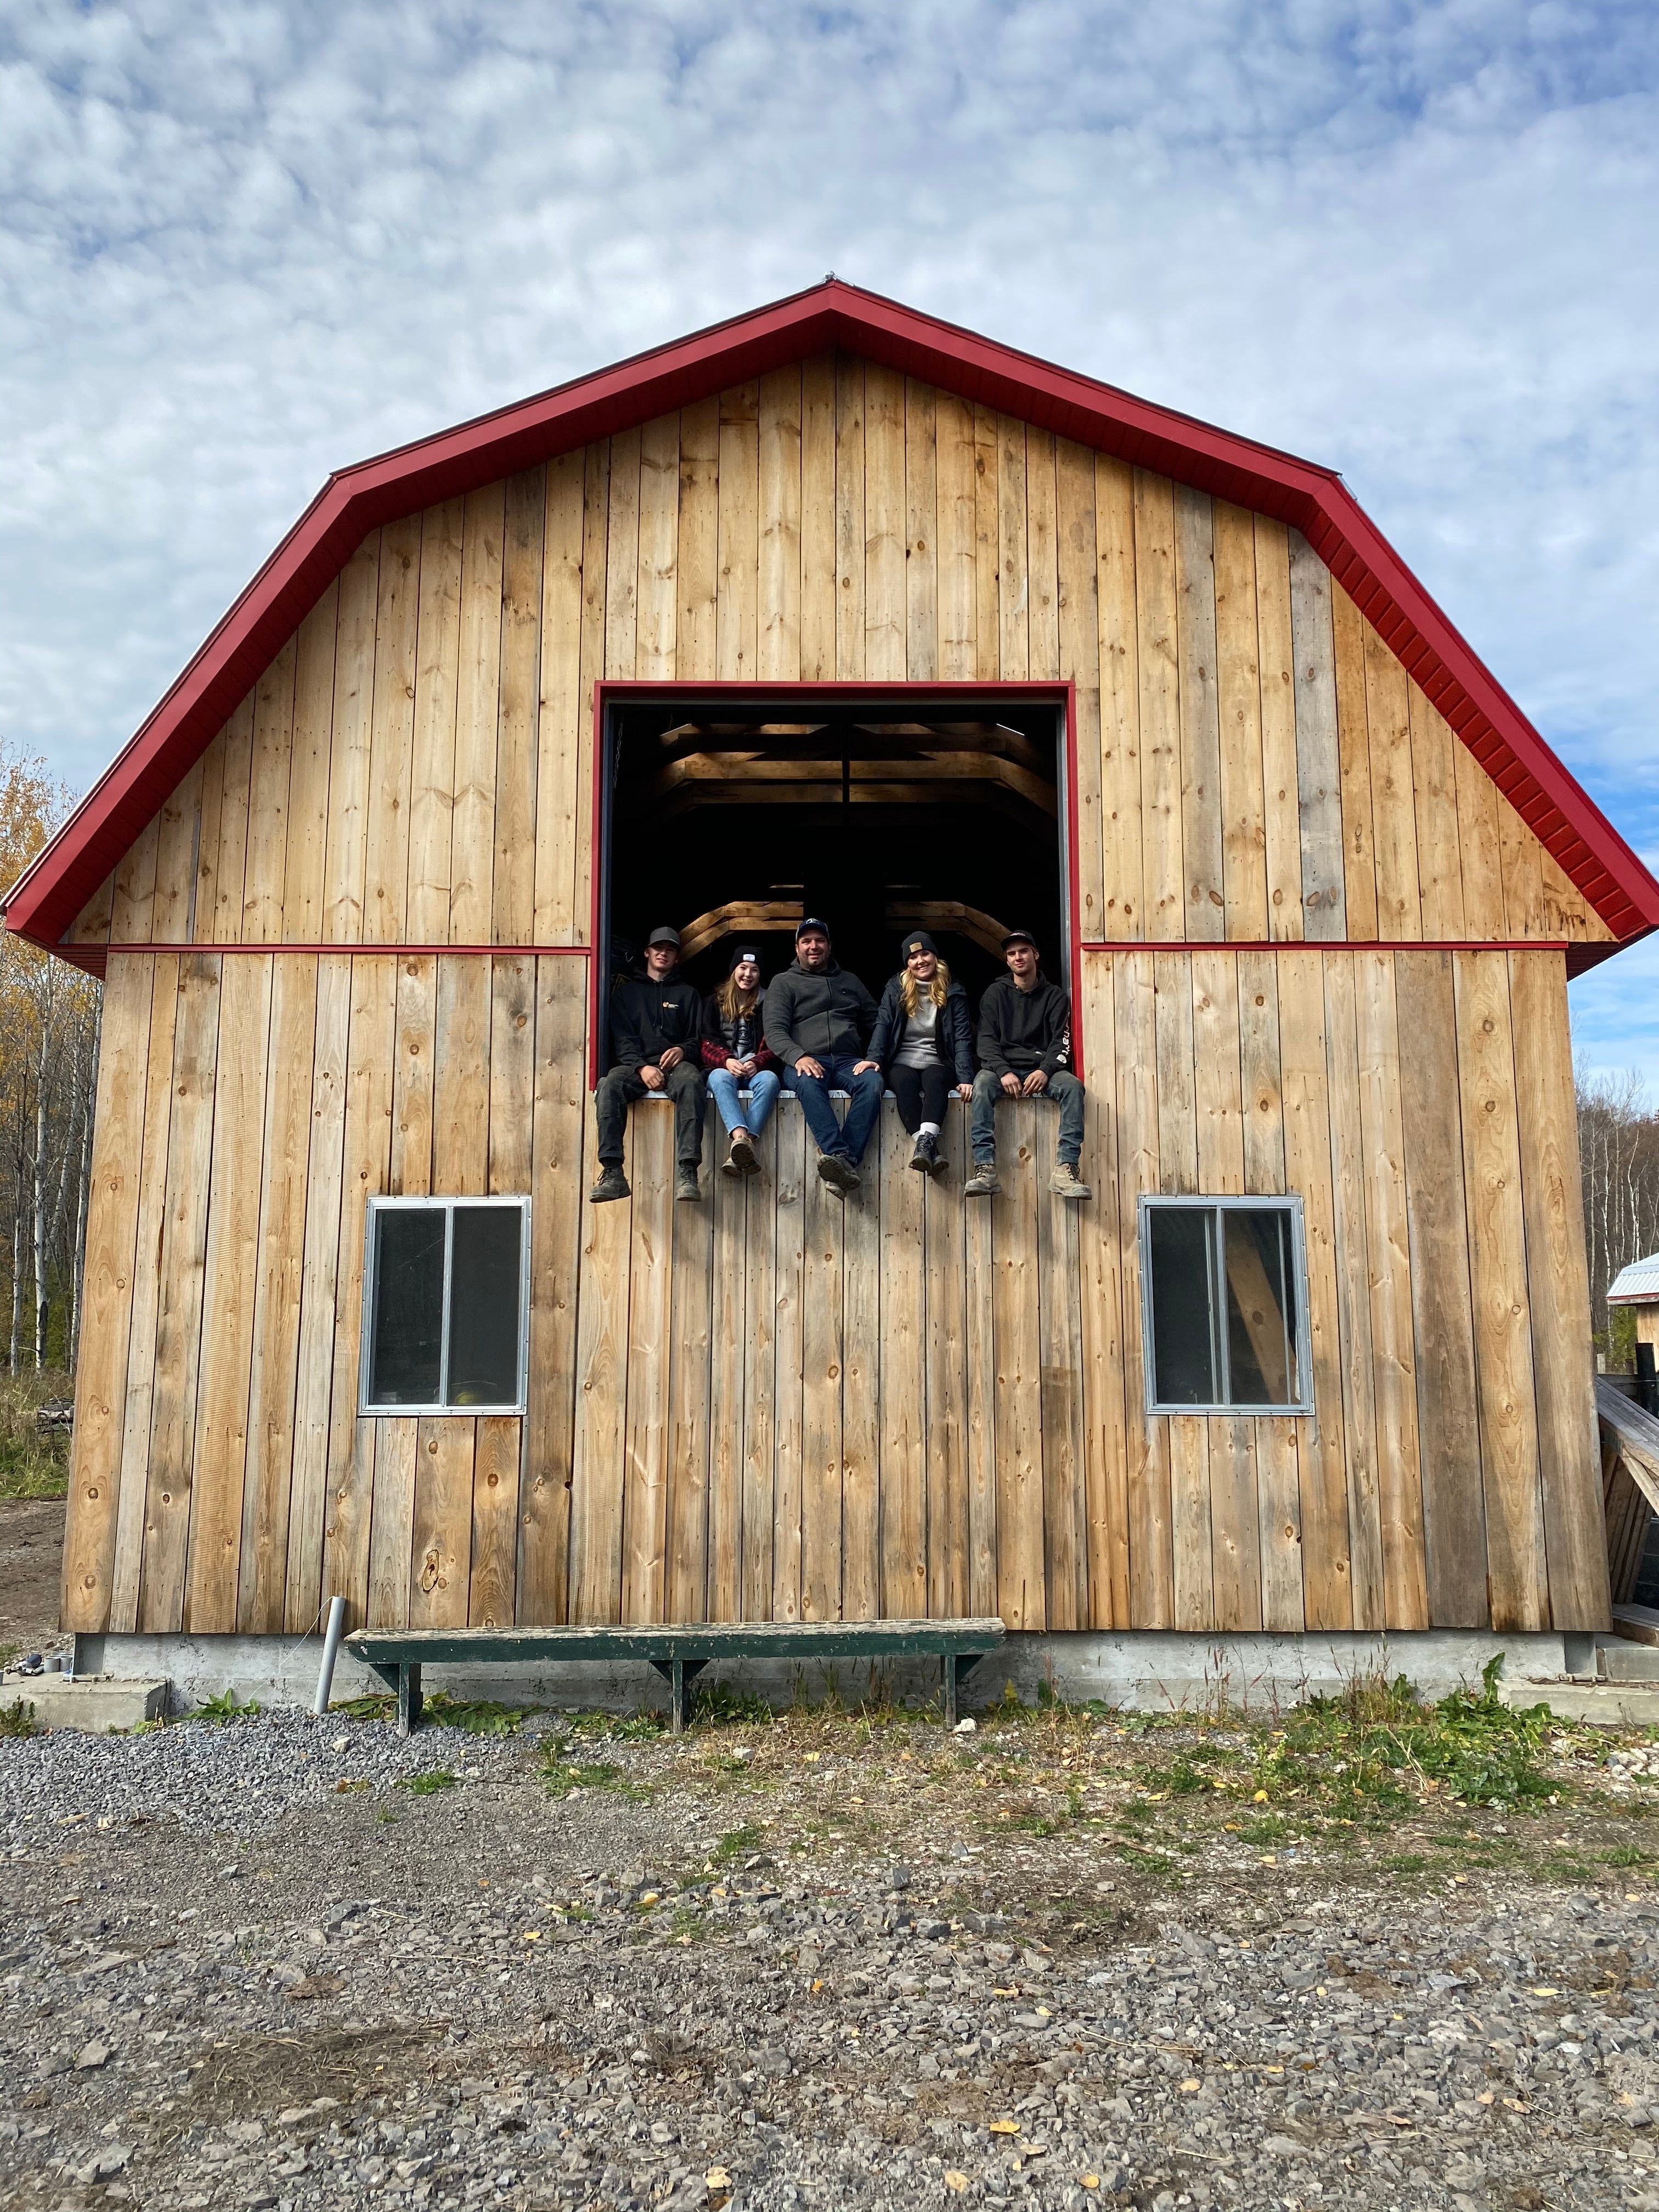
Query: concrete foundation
x=96, y=1703
x=1138, y=1670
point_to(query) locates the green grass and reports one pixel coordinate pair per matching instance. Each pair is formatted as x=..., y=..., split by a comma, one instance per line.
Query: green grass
x=477, y=1716
x=1406, y=1863
x=561, y=1777
x=17, y=1718
x=33, y=1463
x=473, y=1716
x=1379, y=1748
x=719, y=1706
x=736, y=1844
x=428, y=1783
x=1269, y=1829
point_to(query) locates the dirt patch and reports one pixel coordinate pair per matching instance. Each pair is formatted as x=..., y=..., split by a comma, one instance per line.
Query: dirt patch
x=262, y=2073
x=31, y=1560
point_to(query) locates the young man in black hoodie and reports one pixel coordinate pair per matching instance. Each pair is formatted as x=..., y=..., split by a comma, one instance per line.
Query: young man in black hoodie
x=1024, y=1041
x=818, y=1020
x=655, y=1024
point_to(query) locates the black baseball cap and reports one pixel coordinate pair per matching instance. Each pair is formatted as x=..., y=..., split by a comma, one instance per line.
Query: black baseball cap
x=665, y=936
x=1020, y=937
x=811, y=921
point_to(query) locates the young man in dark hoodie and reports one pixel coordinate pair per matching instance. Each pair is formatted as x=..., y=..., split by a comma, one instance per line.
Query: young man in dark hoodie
x=655, y=1027
x=1024, y=1041
x=818, y=1020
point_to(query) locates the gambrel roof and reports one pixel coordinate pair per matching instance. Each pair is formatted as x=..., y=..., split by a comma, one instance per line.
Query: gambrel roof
x=45, y=900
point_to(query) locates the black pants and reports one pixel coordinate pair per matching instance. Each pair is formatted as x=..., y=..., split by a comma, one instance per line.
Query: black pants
x=617, y=1093
x=921, y=1092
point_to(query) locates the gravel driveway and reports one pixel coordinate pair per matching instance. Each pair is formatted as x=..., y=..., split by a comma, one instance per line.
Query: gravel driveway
x=292, y=1964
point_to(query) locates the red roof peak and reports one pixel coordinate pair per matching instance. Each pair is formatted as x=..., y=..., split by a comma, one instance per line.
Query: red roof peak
x=833, y=314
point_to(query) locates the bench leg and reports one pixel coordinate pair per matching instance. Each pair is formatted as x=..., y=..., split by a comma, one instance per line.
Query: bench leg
x=685, y=1678
x=408, y=1698
x=959, y=1666
x=948, y=1697
x=679, y=1675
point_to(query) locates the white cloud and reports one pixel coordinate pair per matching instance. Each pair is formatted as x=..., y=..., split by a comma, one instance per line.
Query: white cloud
x=243, y=246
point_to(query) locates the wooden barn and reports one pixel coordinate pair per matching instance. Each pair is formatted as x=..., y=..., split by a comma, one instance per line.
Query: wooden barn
x=835, y=608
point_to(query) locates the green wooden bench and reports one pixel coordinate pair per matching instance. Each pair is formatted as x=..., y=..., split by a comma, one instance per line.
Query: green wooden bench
x=679, y=1653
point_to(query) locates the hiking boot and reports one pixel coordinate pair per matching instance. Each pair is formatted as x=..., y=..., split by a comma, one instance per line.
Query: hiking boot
x=742, y=1160
x=612, y=1183
x=982, y=1183
x=924, y=1156
x=1066, y=1182
x=840, y=1175
x=686, y=1184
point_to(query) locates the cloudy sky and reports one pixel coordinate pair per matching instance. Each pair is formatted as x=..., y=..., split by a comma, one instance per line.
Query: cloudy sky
x=242, y=245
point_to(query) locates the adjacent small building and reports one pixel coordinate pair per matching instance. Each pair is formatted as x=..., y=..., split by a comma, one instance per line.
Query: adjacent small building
x=837, y=608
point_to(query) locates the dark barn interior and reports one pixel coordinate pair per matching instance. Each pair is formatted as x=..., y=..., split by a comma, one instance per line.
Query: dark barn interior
x=734, y=824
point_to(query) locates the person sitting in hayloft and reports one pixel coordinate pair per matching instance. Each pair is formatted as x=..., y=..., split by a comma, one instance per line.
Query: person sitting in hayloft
x=817, y=1019
x=1024, y=1041
x=735, y=1053
x=655, y=1024
x=923, y=1042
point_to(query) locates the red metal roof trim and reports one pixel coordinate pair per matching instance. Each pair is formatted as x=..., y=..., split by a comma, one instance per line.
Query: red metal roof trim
x=51, y=893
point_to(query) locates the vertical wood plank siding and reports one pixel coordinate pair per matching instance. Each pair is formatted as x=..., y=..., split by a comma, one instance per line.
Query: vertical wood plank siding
x=771, y=1405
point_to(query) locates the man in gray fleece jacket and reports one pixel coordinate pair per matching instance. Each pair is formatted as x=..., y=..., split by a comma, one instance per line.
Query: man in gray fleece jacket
x=818, y=1020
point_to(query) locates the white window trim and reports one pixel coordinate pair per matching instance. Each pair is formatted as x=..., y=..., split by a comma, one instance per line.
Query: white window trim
x=447, y=1202
x=1216, y=1205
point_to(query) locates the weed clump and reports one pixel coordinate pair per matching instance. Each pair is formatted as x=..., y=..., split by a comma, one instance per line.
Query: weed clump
x=1379, y=1745
x=721, y=1707
x=225, y=1709
x=17, y=1718
x=428, y=1783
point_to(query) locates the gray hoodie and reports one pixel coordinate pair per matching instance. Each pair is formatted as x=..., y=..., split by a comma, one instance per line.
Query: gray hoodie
x=826, y=1014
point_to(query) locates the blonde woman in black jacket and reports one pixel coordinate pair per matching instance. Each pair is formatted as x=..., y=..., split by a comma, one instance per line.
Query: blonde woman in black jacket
x=923, y=1042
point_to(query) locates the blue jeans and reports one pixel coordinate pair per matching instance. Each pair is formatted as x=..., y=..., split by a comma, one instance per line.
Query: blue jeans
x=762, y=1087
x=1063, y=1089
x=834, y=1140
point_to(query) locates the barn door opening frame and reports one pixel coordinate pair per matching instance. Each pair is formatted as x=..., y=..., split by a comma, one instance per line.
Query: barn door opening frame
x=909, y=701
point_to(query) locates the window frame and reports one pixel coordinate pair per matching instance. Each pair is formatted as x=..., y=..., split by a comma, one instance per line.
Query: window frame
x=1217, y=1206
x=448, y=1203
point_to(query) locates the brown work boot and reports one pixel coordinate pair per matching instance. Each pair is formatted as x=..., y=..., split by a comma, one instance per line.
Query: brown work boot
x=840, y=1175
x=686, y=1184
x=740, y=1159
x=982, y=1183
x=1066, y=1182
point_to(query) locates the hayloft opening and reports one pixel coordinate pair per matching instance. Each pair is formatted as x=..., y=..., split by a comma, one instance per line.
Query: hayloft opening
x=732, y=815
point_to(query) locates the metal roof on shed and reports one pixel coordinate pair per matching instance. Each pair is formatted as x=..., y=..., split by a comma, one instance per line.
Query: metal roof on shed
x=1636, y=1285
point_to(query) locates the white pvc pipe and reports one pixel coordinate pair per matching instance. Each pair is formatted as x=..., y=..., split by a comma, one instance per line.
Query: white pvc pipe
x=332, y=1636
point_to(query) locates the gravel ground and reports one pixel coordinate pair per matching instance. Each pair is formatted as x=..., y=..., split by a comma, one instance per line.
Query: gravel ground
x=821, y=1962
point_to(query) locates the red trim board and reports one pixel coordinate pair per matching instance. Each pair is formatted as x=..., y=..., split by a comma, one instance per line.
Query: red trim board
x=45, y=901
